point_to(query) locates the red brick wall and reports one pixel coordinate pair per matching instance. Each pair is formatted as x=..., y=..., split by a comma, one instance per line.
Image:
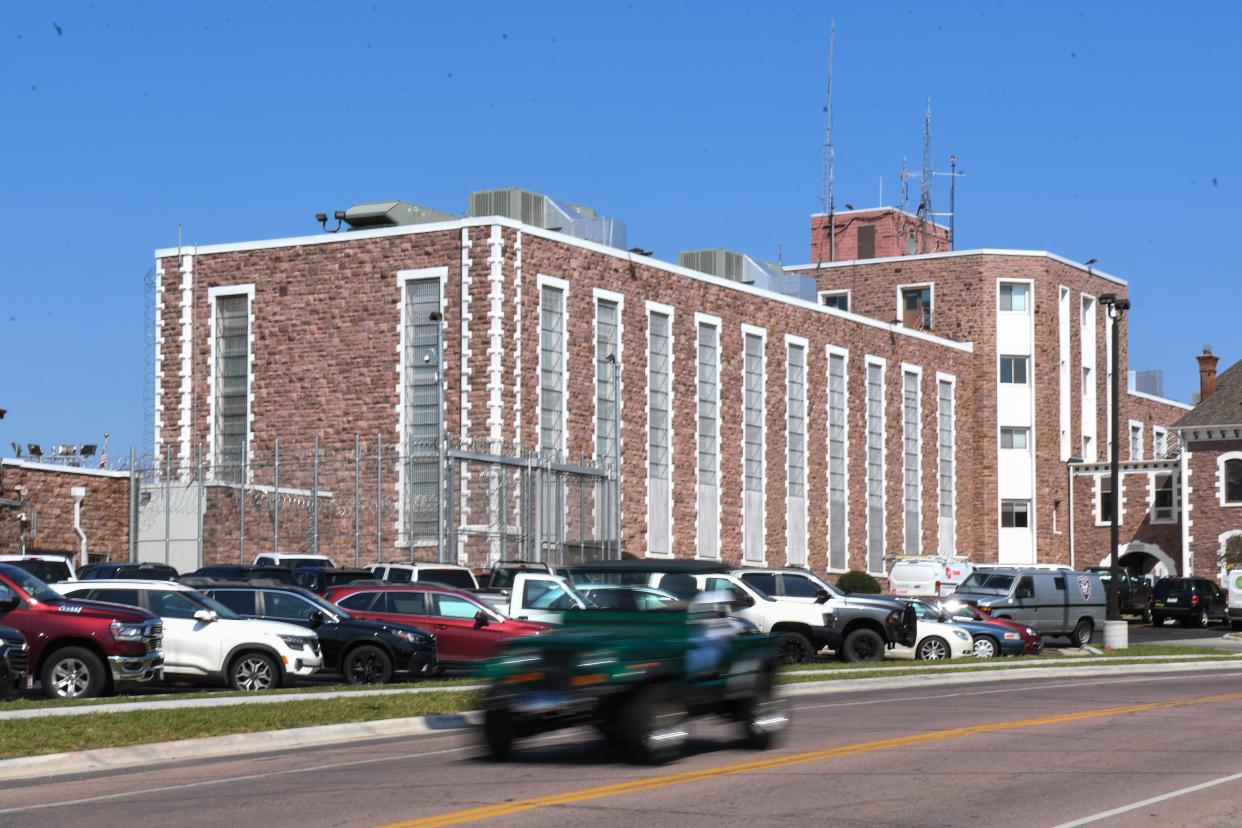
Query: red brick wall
x=1208, y=519
x=1092, y=541
x=891, y=233
x=105, y=510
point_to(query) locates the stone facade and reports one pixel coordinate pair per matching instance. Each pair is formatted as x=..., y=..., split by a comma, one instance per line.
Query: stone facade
x=105, y=510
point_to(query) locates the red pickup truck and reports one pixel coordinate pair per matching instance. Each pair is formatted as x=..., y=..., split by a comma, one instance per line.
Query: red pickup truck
x=80, y=649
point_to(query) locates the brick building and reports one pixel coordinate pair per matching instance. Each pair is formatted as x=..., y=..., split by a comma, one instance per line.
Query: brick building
x=40, y=504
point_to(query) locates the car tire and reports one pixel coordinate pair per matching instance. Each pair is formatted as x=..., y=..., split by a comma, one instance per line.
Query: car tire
x=73, y=673
x=498, y=732
x=793, y=648
x=1203, y=620
x=762, y=715
x=254, y=672
x=1082, y=632
x=933, y=648
x=653, y=725
x=986, y=647
x=1157, y=620
x=367, y=664
x=862, y=645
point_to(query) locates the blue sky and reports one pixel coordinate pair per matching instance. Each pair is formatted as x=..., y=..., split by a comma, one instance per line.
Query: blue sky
x=1105, y=132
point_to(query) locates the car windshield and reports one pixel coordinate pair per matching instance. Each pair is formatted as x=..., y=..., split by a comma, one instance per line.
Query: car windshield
x=926, y=611
x=47, y=571
x=31, y=585
x=1169, y=586
x=958, y=609
x=308, y=563
x=987, y=582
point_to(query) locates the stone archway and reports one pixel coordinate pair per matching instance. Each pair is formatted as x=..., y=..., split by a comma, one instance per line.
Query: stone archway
x=1144, y=558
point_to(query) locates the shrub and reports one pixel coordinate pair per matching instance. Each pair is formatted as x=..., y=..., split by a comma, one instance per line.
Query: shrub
x=1232, y=557
x=856, y=581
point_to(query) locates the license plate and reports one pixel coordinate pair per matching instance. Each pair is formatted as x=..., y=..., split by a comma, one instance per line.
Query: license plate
x=1172, y=600
x=1159, y=604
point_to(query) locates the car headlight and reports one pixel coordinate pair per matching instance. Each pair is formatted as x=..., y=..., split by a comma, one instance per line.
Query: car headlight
x=295, y=642
x=962, y=634
x=1012, y=636
x=410, y=637
x=122, y=631
x=1030, y=631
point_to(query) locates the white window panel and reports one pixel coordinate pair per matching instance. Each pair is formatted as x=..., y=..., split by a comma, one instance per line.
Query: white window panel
x=423, y=416
x=946, y=428
x=875, y=466
x=708, y=432
x=551, y=372
x=795, y=432
x=912, y=449
x=838, y=459
x=232, y=384
x=753, y=423
x=659, y=388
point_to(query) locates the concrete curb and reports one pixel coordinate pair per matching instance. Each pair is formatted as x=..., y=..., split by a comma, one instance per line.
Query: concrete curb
x=999, y=665
x=216, y=747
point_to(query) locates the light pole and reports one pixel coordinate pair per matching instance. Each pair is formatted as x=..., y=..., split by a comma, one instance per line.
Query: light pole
x=1115, y=306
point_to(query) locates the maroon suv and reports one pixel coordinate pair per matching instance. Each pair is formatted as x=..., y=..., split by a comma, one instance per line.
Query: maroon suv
x=80, y=649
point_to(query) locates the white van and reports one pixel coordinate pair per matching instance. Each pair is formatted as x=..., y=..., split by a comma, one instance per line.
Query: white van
x=926, y=576
x=1233, y=588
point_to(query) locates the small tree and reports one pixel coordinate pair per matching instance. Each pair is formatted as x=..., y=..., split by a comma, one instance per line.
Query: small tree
x=855, y=581
x=1231, y=558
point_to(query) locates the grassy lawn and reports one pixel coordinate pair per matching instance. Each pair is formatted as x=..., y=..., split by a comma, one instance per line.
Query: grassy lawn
x=54, y=734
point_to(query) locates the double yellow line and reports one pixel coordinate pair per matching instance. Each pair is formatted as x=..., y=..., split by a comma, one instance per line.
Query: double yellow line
x=653, y=782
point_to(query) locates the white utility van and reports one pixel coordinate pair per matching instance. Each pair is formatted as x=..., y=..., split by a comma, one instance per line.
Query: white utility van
x=1233, y=588
x=926, y=576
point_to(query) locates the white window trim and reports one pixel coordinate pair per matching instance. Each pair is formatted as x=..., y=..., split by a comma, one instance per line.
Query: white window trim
x=1141, y=437
x=820, y=296
x=1030, y=517
x=1096, y=502
x=214, y=293
x=1026, y=357
x=1065, y=375
x=762, y=333
x=868, y=361
x=791, y=342
x=917, y=371
x=1089, y=428
x=712, y=321
x=562, y=285
x=665, y=310
x=1151, y=498
x=952, y=380
x=404, y=277
x=1030, y=295
x=830, y=351
x=1159, y=434
x=1000, y=434
x=598, y=295
x=1220, y=478
x=901, y=306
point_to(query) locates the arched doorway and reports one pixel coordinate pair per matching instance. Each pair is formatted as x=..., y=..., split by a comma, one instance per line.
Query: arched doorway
x=1144, y=558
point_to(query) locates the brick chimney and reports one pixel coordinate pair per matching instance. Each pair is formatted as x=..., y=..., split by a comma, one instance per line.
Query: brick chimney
x=1207, y=373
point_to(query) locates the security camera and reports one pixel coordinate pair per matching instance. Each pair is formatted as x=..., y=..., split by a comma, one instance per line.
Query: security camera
x=20, y=489
x=22, y=517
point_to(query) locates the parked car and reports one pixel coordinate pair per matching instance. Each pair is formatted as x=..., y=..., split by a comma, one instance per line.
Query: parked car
x=452, y=575
x=1133, y=594
x=466, y=630
x=1057, y=601
x=205, y=640
x=321, y=580
x=80, y=649
x=989, y=639
x=1233, y=590
x=361, y=651
x=938, y=639
x=1192, y=601
x=962, y=611
x=927, y=576
x=142, y=570
x=244, y=572
x=294, y=560
x=14, y=662
x=49, y=569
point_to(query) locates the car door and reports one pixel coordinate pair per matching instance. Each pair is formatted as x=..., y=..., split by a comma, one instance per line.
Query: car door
x=176, y=630
x=1025, y=605
x=1215, y=599
x=200, y=646
x=292, y=608
x=743, y=592
x=1053, y=597
x=453, y=617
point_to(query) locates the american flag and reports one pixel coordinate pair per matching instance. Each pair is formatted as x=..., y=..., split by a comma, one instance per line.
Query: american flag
x=103, y=456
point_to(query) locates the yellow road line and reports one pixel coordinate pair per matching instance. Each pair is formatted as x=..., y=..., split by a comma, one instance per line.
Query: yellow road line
x=653, y=782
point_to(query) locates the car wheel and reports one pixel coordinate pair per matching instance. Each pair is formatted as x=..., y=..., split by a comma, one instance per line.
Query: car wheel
x=367, y=664
x=1147, y=615
x=498, y=732
x=762, y=716
x=933, y=648
x=254, y=671
x=986, y=647
x=654, y=725
x=1157, y=620
x=793, y=648
x=1083, y=630
x=1202, y=620
x=862, y=645
x=73, y=673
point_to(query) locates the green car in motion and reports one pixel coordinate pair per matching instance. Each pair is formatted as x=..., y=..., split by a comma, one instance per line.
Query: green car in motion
x=637, y=677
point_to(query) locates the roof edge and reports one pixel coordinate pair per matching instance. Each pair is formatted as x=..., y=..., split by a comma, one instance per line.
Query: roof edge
x=981, y=251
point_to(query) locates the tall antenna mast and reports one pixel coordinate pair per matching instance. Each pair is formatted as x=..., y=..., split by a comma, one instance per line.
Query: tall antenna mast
x=827, y=196
x=925, y=180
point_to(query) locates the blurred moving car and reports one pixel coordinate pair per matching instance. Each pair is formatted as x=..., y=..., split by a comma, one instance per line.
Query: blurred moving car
x=962, y=611
x=927, y=576
x=204, y=639
x=14, y=662
x=361, y=651
x=988, y=639
x=466, y=630
x=621, y=597
x=140, y=570
x=1193, y=602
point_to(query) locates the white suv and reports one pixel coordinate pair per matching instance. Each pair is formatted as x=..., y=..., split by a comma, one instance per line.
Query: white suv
x=204, y=639
x=458, y=577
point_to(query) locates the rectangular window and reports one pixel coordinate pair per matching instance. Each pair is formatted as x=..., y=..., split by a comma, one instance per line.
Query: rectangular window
x=837, y=463
x=1159, y=442
x=423, y=415
x=839, y=299
x=708, y=439
x=866, y=241
x=1232, y=473
x=916, y=307
x=607, y=354
x=753, y=446
x=1087, y=343
x=1015, y=514
x=1105, y=510
x=659, y=387
x=1014, y=438
x=1063, y=348
x=1162, y=498
x=912, y=450
x=795, y=434
x=947, y=447
x=875, y=466
x=1136, y=441
x=551, y=372
x=1013, y=370
x=232, y=384
x=1013, y=297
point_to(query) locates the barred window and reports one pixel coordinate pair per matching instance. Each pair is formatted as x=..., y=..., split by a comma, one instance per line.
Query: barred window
x=837, y=463
x=796, y=421
x=658, y=425
x=232, y=384
x=947, y=440
x=875, y=467
x=753, y=457
x=422, y=363
x=708, y=439
x=912, y=487
x=607, y=344
x=551, y=371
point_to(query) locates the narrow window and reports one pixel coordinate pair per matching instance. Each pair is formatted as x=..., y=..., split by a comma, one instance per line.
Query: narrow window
x=753, y=455
x=1013, y=370
x=607, y=411
x=1015, y=514
x=1162, y=500
x=709, y=439
x=1106, y=499
x=1233, y=481
x=837, y=459
x=839, y=299
x=947, y=440
x=1013, y=297
x=1159, y=442
x=658, y=426
x=916, y=307
x=422, y=407
x=912, y=449
x=795, y=431
x=232, y=384
x=1063, y=347
x=875, y=467
x=1014, y=438
x=1136, y=441
x=551, y=372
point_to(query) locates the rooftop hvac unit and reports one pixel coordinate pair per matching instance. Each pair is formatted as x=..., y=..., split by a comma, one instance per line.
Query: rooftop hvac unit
x=738, y=267
x=715, y=261
x=549, y=213
x=392, y=214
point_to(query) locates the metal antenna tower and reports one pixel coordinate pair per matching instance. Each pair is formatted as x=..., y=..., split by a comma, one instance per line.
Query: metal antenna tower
x=925, y=180
x=827, y=196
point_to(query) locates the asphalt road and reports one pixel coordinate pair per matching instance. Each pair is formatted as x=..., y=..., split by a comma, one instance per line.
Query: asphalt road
x=1042, y=752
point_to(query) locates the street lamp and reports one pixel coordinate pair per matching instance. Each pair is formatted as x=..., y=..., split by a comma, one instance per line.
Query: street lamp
x=1115, y=306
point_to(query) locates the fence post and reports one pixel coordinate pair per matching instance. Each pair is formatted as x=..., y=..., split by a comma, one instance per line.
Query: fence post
x=167, y=501
x=241, y=546
x=450, y=514
x=379, y=499
x=198, y=552
x=315, y=499
x=504, y=513
x=357, y=503
x=133, y=505
x=275, y=496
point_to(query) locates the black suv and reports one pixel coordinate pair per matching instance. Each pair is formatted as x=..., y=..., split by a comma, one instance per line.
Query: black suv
x=14, y=662
x=1192, y=601
x=362, y=652
x=245, y=572
x=144, y=571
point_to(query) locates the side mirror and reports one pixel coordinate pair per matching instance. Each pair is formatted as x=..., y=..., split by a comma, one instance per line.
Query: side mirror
x=8, y=599
x=315, y=619
x=206, y=616
x=821, y=596
x=481, y=619
x=741, y=599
